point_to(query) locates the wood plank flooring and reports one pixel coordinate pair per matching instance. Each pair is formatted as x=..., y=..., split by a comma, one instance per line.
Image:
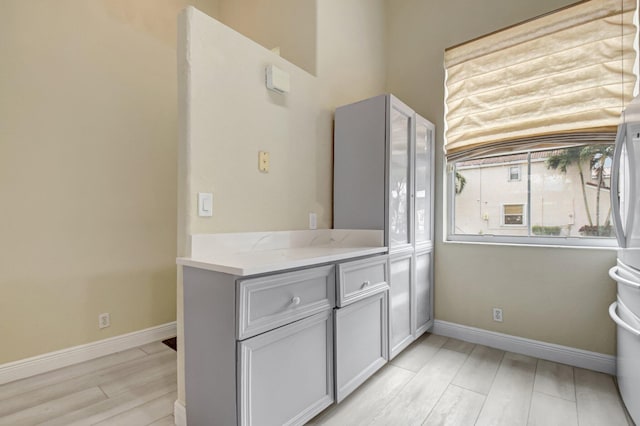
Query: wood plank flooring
x=435, y=381
x=133, y=387
x=440, y=381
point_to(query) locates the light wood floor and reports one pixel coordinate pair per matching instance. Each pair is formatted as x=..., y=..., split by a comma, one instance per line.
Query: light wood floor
x=436, y=381
x=136, y=387
x=440, y=381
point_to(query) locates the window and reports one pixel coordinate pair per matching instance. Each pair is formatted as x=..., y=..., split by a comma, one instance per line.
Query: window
x=513, y=214
x=561, y=197
x=539, y=104
x=514, y=173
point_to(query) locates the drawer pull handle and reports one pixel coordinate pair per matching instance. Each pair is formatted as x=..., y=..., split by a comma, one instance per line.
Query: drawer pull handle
x=295, y=301
x=366, y=284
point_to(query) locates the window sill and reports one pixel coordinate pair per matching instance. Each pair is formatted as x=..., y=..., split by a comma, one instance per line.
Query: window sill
x=565, y=243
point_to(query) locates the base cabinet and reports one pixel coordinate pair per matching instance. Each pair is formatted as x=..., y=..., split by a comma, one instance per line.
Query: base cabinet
x=400, y=295
x=411, y=299
x=271, y=349
x=423, y=297
x=361, y=342
x=282, y=376
x=285, y=375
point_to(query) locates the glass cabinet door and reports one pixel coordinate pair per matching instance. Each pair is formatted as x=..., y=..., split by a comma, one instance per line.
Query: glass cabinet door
x=423, y=197
x=399, y=183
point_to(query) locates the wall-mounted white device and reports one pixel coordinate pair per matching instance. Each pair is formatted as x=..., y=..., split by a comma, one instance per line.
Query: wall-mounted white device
x=277, y=79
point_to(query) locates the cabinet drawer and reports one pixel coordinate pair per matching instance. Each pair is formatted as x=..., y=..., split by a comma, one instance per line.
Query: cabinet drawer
x=361, y=278
x=272, y=301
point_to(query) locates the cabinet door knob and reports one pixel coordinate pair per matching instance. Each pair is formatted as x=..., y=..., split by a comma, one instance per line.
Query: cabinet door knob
x=366, y=284
x=295, y=301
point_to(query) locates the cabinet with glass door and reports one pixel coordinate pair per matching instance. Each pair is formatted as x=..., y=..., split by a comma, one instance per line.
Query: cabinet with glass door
x=383, y=179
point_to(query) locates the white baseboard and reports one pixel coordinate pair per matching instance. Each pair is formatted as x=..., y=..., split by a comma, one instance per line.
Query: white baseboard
x=179, y=413
x=535, y=348
x=53, y=360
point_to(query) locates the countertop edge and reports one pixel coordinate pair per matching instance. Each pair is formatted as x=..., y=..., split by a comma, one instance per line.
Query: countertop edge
x=277, y=266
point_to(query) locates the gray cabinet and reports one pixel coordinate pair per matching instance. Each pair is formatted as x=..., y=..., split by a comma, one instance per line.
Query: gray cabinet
x=373, y=169
x=400, y=140
x=361, y=342
x=423, y=226
x=271, y=349
x=401, y=294
x=383, y=179
x=285, y=376
x=424, y=182
x=258, y=350
x=423, y=297
x=361, y=323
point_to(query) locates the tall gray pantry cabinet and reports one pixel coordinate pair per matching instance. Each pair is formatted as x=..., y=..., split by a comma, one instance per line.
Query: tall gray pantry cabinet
x=383, y=179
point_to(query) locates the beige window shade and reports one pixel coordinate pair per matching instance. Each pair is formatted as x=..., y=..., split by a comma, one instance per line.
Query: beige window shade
x=568, y=74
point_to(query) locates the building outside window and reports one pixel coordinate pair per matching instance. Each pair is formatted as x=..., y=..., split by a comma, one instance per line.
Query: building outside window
x=565, y=195
x=513, y=214
x=514, y=173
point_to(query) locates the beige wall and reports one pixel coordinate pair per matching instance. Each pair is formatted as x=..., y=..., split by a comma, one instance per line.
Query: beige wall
x=287, y=24
x=557, y=295
x=297, y=134
x=88, y=144
x=230, y=116
x=341, y=42
x=352, y=48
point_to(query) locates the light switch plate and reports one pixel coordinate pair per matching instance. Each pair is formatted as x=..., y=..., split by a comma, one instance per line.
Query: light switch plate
x=205, y=204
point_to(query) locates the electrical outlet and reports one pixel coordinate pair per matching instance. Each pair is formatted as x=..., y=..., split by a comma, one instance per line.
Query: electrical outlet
x=497, y=314
x=104, y=320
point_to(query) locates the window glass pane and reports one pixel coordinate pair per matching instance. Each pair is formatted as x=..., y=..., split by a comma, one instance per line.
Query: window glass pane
x=514, y=173
x=513, y=214
x=511, y=209
x=569, y=194
x=484, y=197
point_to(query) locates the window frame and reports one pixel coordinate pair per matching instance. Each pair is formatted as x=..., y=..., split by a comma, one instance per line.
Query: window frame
x=450, y=236
x=519, y=178
x=525, y=222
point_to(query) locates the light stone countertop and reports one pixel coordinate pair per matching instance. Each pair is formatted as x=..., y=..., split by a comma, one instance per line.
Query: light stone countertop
x=254, y=253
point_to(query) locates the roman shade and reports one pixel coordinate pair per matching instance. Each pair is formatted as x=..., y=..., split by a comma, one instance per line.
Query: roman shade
x=562, y=78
